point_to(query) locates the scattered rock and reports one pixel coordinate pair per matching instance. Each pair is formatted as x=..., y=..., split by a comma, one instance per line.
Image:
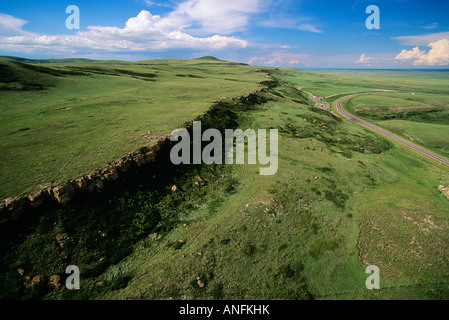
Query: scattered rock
x=64, y=194
x=200, y=283
x=174, y=188
x=96, y=185
x=150, y=156
x=36, y=279
x=139, y=159
x=110, y=174
x=61, y=239
x=81, y=183
x=39, y=198
x=16, y=206
x=444, y=190
x=53, y=283
x=124, y=164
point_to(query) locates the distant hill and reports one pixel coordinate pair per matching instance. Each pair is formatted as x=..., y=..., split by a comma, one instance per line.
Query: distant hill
x=42, y=61
x=209, y=58
x=17, y=75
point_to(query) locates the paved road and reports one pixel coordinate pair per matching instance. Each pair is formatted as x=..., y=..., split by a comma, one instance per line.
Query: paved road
x=390, y=135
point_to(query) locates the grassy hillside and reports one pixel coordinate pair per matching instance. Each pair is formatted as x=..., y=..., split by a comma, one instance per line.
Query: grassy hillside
x=418, y=110
x=343, y=198
x=61, y=121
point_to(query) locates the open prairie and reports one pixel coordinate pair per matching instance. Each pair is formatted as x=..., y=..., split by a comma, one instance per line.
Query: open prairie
x=63, y=120
x=343, y=198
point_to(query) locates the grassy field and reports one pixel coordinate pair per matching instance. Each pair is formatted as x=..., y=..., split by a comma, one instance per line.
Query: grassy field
x=64, y=120
x=343, y=198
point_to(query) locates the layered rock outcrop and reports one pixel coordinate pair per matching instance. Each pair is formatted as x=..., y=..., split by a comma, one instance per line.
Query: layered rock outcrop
x=12, y=209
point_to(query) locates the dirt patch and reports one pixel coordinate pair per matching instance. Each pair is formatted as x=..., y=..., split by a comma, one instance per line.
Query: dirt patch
x=444, y=190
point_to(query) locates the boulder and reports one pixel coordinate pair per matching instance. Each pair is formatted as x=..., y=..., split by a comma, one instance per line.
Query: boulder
x=81, y=183
x=139, y=159
x=16, y=206
x=53, y=283
x=150, y=156
x=39, y=198
x=64, y=194
x=110, y=174
x=123, y=165
x=36, y=279
x=61, y=239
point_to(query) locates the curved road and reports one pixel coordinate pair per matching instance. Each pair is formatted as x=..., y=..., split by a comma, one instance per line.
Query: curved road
x=385, y=133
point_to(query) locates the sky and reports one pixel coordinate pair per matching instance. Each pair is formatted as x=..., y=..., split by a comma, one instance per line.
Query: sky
x=285, y=33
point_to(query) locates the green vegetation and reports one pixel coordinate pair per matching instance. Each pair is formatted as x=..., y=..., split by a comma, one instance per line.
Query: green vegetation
x=418, y=110
x=422, y=118
x=61, y=121
x=343, y=198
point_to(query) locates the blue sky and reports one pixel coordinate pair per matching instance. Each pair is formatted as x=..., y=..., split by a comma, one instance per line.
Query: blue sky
x=298, y=34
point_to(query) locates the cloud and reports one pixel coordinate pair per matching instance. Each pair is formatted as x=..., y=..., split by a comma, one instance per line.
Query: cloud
x=422, y=40
x=145, y=32
x=309, y=27
x=291, y=24
x=364, y=59
x=279, y=58
x=281, y=17
x=152, y=3
x=438, y=55
x=10, y=26
x=216, y=16
x=430, y=26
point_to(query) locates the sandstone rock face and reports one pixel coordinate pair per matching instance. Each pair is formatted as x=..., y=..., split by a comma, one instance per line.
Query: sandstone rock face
x=64, y=194
x=53, y=283
x=4, y=215
x=39, y=198
x=81, y=183
x=139, y=160
x=16, y=206
x=61, y=238
x=36, y=279
x=122, y=165
x=11, y=209
x=110, y=174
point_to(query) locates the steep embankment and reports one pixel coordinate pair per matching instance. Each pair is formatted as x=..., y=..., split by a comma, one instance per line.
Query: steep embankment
x=71, y=126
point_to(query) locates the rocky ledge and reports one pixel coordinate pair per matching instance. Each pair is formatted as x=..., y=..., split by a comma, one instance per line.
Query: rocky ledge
x=12, y=209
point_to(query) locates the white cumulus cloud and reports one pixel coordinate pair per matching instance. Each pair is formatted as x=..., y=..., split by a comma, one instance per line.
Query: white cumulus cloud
x=438, y=55
x=215, y=16
x=10, y=25
x=364, y=59
x=145, y=32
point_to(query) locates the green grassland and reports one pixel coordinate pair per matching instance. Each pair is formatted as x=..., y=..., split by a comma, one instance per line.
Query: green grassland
x=422, y=118
x=63, y=120
x=418, y=110
x=343, y=198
